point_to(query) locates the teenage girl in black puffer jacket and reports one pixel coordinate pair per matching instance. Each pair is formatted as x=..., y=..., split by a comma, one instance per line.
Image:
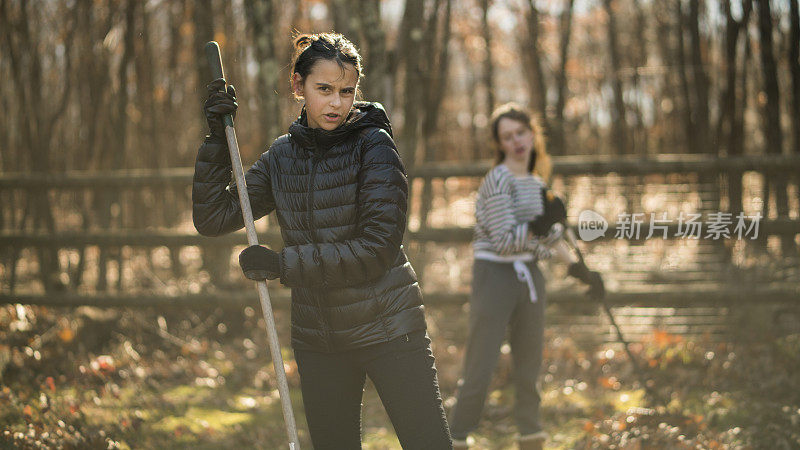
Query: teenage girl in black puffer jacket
x=340, y=195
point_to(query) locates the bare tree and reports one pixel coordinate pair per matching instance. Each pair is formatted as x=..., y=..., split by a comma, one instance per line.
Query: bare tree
x=345, y=19
x=379, y=79
x=639, y=136
x=667, y=114
x=437, y=56
x=557, y=142
x=488, y=65
x=261, y=22
x=203, y=15
x=438, y=59
x=699, y=79
x=412, y=94
x=772, y=115
x=794, y=67
x=689, y=100
x=728, y=117
x=619, y=122
x=534, y=56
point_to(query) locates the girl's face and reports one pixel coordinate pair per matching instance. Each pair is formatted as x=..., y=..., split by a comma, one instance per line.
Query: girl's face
x=516, y=139
x=329, y=91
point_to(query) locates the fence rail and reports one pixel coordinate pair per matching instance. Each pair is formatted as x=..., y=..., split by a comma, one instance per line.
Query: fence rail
x=693, y=291
x=562, y=165
x=168, y=238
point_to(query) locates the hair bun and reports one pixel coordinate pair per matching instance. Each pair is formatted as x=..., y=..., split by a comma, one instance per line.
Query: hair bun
x=303, y=41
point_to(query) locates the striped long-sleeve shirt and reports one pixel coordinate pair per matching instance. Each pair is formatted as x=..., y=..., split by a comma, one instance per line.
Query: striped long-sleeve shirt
x=505, y=205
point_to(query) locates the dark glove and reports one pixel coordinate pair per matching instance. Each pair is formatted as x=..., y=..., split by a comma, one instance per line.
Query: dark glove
x=259, y=263
x=554, y=212
x=218, y=104
x=591, y=278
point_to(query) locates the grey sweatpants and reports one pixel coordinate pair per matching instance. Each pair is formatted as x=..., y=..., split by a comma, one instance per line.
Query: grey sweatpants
x=500, y=300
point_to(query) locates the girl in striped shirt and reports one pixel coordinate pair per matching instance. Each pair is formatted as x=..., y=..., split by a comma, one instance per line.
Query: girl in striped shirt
x=517, y=224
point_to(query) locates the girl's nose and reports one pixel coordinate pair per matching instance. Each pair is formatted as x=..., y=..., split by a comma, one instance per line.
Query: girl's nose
x=336, y=100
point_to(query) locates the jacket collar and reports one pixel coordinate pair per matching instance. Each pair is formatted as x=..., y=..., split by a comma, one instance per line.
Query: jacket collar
x=362, y=115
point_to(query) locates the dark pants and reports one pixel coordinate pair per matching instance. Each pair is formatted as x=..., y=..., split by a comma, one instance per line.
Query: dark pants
x=404, y=375
x=498, y=300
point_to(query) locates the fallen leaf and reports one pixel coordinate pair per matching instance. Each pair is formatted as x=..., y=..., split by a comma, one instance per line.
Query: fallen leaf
x=66, y=335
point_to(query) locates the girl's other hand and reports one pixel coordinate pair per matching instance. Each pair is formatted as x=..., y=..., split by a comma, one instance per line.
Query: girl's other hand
x=260, y=263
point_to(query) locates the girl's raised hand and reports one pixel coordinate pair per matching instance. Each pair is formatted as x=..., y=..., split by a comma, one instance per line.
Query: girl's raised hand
x=218, y=104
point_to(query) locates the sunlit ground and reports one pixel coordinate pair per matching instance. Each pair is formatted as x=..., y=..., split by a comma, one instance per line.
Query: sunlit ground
x=201, y=378
x=91, y=378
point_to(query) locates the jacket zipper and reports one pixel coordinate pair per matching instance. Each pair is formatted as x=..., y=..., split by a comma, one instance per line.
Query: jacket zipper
x=314, y=161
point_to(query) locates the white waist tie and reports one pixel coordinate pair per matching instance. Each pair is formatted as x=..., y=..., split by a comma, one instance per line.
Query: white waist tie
x=523, y=273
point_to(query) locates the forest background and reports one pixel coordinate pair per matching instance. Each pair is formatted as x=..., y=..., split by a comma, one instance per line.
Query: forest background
x=117, y=85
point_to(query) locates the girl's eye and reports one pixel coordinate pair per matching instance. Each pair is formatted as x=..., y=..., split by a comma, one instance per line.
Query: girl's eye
x=324, y=89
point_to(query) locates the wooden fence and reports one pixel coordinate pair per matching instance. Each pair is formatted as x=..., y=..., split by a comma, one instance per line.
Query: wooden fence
x=118, y=215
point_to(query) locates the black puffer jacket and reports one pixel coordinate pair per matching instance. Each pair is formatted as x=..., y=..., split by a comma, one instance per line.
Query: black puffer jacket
x=341, y=201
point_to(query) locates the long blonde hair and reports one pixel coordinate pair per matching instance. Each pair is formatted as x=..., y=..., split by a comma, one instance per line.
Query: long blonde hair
x=539, y=163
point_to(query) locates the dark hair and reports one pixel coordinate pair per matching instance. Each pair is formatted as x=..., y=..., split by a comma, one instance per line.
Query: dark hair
x=540, y=160
x=310, y=48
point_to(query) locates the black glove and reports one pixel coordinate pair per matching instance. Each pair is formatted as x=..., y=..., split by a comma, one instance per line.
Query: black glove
x=554, y=212
x=259, y=263
x=591, y=278
x=218, y=104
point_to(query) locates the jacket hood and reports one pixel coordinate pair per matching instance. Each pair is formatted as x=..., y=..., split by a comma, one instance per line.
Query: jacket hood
x=362, y=115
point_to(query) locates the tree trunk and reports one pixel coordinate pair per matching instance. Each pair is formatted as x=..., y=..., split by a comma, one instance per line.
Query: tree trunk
x=93, y=99
x=536, y=81
x=488, y=65
x=478, y=149
x=202, y=14
x=639, y=136
x=729, y=106
x=557, y=141
x=794, y=67
x=261, y=20
x=618, y=119
x=736, y=141
x=435, y=89
x=769, y=70
x=688, y=110
x=772, y=115
x=378, y=80
x=437, y=84
x=412, y=98
x=345, y=18
x=699, y=80
x=667, y=112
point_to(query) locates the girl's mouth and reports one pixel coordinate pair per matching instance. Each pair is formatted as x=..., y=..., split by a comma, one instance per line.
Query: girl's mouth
x=332, y=117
